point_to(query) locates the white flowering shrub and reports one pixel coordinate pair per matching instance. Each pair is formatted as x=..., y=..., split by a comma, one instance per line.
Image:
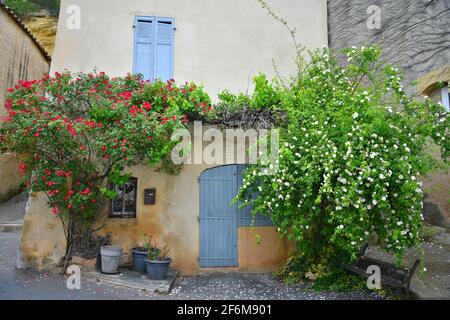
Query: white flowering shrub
x=351, y=160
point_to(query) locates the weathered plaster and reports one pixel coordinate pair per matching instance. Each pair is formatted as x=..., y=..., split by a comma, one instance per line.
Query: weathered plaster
x=43, y=241
x=261, y=249
x=172, y=221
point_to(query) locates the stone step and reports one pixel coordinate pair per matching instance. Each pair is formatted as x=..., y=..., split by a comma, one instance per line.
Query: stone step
x=134, y=280
x=10, y=227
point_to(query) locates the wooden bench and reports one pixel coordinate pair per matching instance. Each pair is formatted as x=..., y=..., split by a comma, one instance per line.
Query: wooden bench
x=391, y=275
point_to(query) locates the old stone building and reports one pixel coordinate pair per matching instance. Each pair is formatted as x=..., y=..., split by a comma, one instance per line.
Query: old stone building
x=222, y=44
x=22, y=58
x=414, y=36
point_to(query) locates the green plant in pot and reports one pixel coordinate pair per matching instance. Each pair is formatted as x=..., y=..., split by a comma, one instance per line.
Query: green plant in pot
x=139, y=253
x=158, y=262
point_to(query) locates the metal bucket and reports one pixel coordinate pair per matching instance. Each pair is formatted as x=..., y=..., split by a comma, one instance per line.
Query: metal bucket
x=111, y=257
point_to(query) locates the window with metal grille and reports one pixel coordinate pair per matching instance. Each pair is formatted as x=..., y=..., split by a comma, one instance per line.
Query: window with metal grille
x=124, y=206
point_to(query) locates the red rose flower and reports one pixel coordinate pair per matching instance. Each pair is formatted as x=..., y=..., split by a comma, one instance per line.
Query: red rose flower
x=23, y=168
x=126, y=95
x=147, y=106
x=71, y=129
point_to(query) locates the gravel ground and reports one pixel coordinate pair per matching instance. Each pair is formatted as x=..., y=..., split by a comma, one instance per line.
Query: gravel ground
x=243, y=286
x=42, y=285
x=434, y=281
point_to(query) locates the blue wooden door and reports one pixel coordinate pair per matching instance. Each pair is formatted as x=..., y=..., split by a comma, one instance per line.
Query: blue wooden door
x=218, y=218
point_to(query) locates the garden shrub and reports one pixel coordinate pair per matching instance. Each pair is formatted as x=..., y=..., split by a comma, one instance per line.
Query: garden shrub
x=78, y=132
x=352, y=158
x=21, y=7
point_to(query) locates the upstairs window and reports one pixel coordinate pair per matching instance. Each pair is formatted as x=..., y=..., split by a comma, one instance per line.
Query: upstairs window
x=124, y=206
x=153, y=47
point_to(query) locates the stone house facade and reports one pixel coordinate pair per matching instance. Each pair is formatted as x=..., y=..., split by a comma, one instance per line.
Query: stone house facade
x=215, y=43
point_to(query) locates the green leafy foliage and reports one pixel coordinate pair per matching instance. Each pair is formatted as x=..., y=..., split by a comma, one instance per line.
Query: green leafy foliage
x=352, y=158
x=21, y=7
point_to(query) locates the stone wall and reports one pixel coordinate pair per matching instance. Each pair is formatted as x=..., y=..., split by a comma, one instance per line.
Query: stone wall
x=414, y=34
x=21, y=59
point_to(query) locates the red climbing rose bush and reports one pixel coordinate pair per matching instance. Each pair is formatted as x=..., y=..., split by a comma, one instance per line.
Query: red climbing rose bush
x=77, y=133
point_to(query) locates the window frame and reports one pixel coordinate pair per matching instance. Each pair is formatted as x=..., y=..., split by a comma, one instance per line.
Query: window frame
x=111, y=214
x=154, y=20
x=445, y=97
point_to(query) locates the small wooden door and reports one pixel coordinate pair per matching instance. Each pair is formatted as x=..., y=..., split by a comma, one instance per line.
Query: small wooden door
x=218, y=217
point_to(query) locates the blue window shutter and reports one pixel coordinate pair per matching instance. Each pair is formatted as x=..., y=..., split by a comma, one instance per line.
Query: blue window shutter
x=144, y=47
x=164, y=48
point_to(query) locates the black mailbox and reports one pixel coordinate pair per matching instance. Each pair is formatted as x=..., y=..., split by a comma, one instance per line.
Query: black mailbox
x=150, y=196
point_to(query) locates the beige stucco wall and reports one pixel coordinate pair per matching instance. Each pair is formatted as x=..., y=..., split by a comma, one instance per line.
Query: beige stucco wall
x=268, y=253
x=20, y=59
x=218, y=43
x=172, y=221
x=43, y=242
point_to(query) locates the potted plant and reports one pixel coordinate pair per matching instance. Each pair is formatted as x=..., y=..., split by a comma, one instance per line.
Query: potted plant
x=140, y=254
x=158, y=262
